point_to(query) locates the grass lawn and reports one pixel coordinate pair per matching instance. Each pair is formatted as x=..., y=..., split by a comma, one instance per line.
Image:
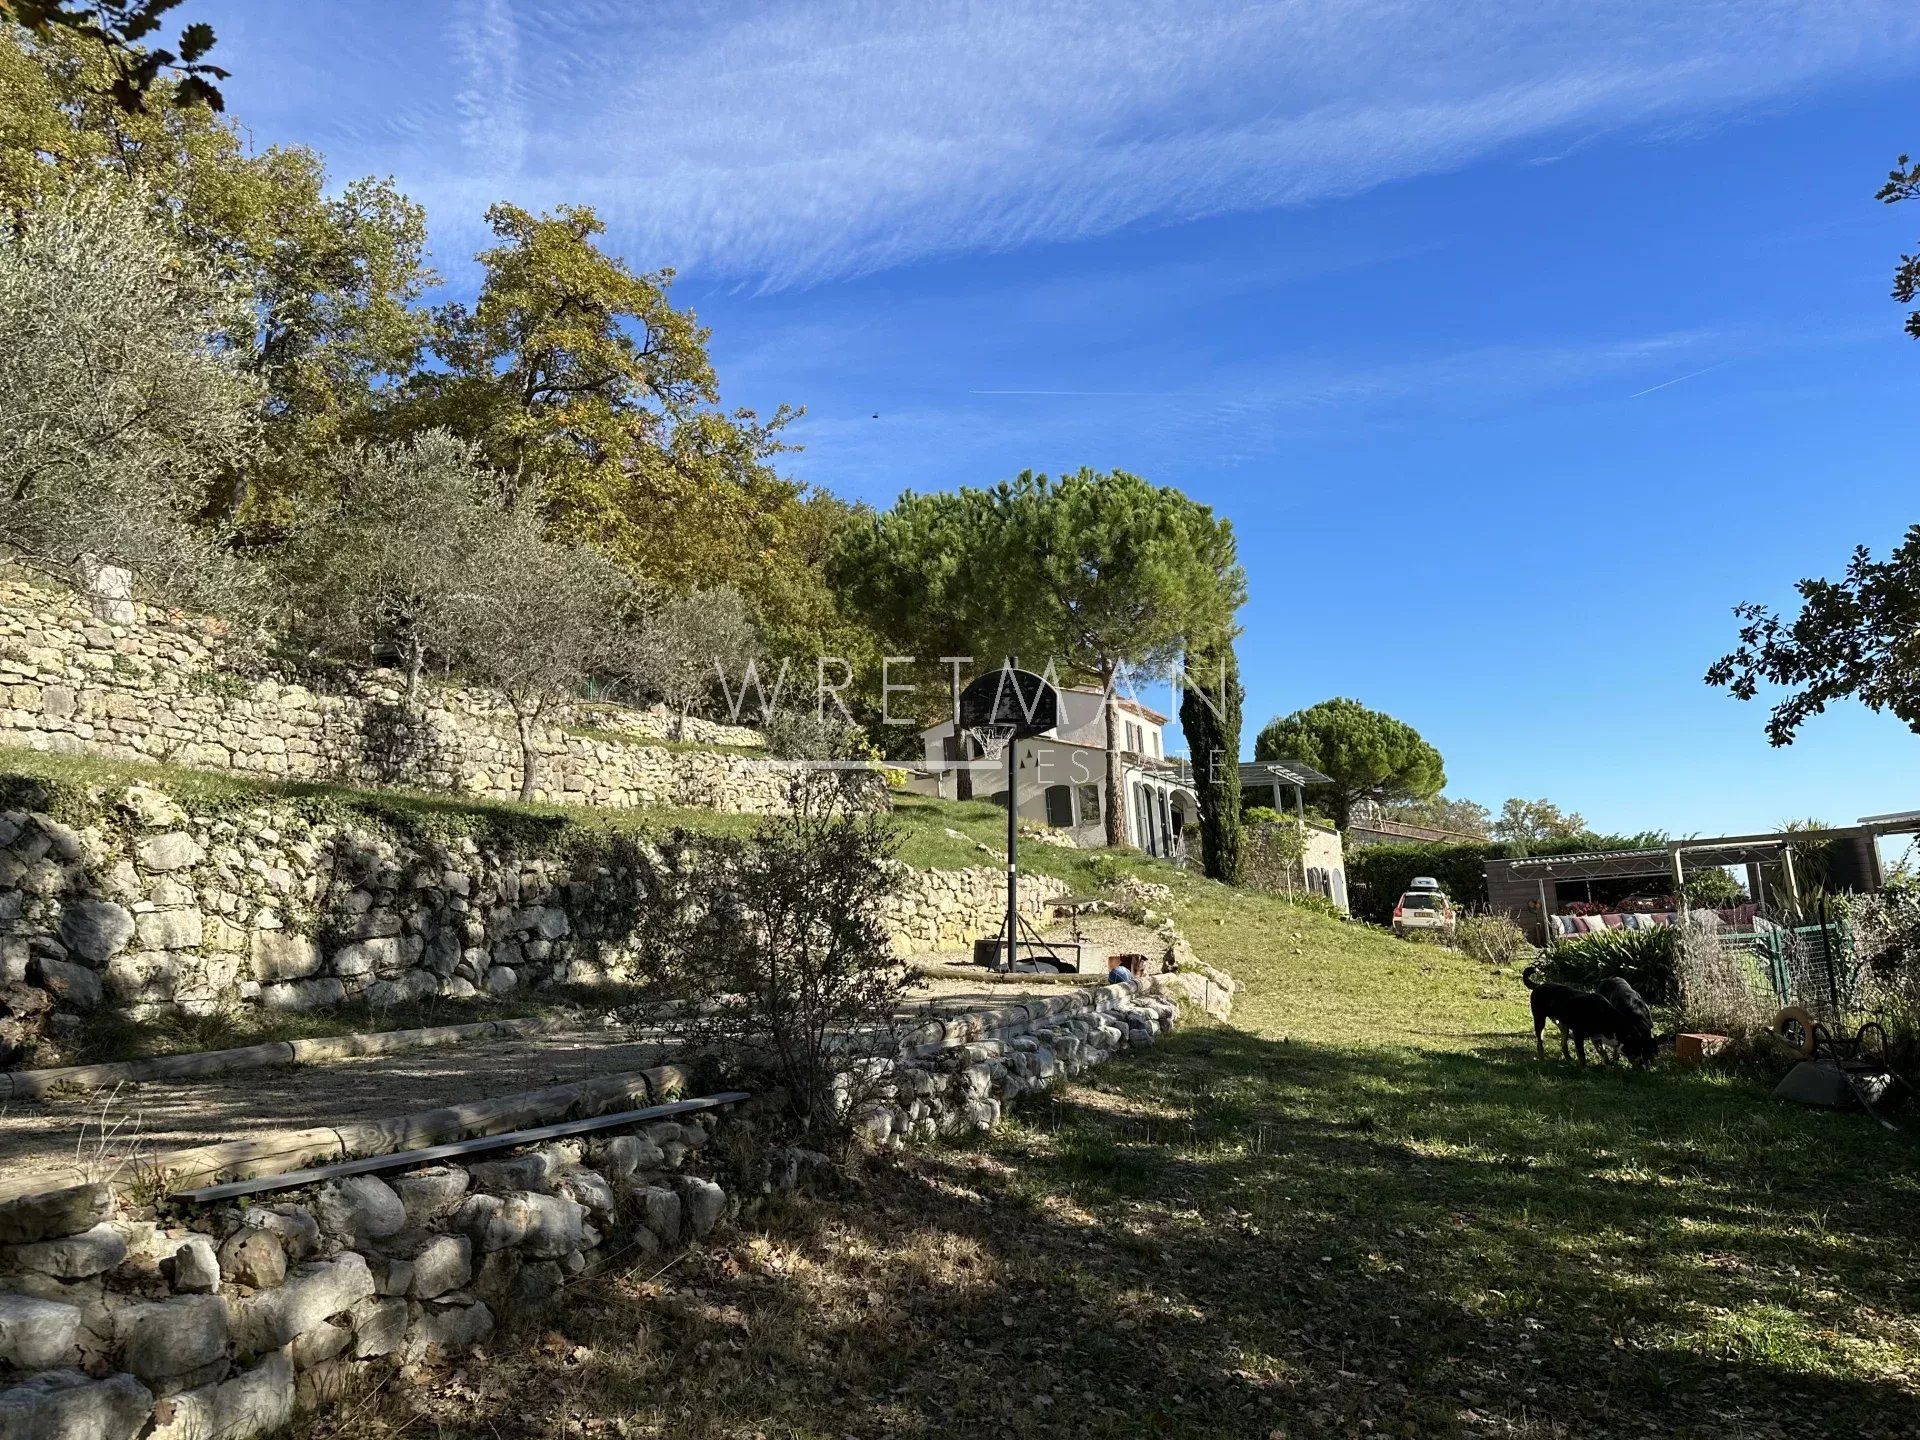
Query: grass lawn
x=1364, y=1209
x=934, y=834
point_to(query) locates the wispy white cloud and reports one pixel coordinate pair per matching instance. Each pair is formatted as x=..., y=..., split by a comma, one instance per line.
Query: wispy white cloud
x=493, y=122
x=789, y=143
x=1237, y=414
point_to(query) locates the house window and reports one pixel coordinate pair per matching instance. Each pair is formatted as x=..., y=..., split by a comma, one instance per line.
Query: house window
x=1090, y=805
x=1060, y=806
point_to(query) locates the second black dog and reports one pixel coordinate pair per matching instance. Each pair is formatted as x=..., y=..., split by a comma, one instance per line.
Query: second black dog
x=1638, y=1043
x=1581, y=1014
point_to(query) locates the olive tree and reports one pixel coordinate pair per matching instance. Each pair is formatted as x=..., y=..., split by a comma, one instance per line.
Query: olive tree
x=537, y=622
x=678, y=644
x=117, y=402
x=399, y=553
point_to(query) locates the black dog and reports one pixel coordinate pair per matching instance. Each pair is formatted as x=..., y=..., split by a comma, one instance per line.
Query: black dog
x=1580, y=1013
x=1638, y=1043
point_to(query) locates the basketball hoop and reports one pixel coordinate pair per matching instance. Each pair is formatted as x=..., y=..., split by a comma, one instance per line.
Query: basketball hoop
x=997, y=709
x=992, y=739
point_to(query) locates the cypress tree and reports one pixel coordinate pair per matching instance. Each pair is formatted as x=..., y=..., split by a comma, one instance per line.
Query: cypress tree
x=1210, y=704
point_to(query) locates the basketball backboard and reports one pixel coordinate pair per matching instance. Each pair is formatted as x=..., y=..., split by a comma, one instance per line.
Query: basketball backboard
x=1007, y=697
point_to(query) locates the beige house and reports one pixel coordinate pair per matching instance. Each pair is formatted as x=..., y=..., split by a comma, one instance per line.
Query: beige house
x=1281, y=785
x=1062, y=774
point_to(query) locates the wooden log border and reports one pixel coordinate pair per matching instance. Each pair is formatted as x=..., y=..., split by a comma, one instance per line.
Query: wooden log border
x=458, y=1149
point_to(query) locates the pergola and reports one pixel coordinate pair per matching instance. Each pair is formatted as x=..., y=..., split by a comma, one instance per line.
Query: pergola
x=1276, y=773
x=1514, y=884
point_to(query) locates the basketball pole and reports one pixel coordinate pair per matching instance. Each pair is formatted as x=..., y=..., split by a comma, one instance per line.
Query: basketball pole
x=1013, y=852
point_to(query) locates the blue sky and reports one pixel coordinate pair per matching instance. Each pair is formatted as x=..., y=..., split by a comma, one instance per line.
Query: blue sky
x=1518, y=342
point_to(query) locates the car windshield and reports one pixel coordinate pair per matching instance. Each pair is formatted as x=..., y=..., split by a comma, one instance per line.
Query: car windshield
x=1420, y=901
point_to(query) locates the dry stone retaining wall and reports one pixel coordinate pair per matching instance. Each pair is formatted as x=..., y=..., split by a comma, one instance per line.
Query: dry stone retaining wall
x=226, y=1320
x=148, y=908
x=949, y=909
x=155, y=689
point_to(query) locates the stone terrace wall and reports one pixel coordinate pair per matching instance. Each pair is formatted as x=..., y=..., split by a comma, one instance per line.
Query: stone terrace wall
x=949, y=909
x=224, y=1321
x=146, y=908
x=155, y=690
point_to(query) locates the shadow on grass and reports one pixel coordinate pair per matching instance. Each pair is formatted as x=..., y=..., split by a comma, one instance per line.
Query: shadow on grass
x=1237, y=1236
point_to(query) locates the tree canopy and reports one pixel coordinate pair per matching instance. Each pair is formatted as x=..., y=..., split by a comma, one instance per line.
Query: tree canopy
x=332, y=280
x=1856, y=637
x=119, y=28
x=1100, y=576
x=1903, y=183
x=1368, y=755
x=114, y=403
x=1531, y=821
x=595, y=398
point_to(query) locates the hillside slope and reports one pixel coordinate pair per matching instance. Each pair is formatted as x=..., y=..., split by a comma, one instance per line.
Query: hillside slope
x=1362, y=1208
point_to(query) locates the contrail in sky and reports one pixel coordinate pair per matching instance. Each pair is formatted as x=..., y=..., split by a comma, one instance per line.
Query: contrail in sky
x=1098, y=394
x=1676, y=380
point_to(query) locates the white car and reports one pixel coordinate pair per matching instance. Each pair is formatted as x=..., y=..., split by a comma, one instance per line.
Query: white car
x=1426, y=911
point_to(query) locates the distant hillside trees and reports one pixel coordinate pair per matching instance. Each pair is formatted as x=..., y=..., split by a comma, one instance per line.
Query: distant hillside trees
x=1531, y=821
x=1444, y=812
x=1368, y=755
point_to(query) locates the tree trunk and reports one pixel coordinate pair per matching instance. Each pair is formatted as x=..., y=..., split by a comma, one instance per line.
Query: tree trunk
x=1341, y=804
x=523, y=722
x=680, y=723
x=416, y=662
x=1116, y=791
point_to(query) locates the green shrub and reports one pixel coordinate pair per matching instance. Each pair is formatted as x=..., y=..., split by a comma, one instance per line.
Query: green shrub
x=1308, y=900
x=1646, y=959
x=1714, y=889
x=1492, y=939
x=1261, y=815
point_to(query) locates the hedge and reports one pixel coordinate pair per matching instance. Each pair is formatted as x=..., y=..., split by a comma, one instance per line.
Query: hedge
x=1377, y=875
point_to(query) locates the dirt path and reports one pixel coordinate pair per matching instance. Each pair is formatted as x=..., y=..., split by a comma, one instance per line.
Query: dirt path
x=66, y=1137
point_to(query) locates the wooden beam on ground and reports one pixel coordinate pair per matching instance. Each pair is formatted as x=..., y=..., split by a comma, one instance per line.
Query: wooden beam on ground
x=405, y=1159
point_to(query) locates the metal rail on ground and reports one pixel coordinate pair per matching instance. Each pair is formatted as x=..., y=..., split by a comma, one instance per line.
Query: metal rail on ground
x=403, y=1159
